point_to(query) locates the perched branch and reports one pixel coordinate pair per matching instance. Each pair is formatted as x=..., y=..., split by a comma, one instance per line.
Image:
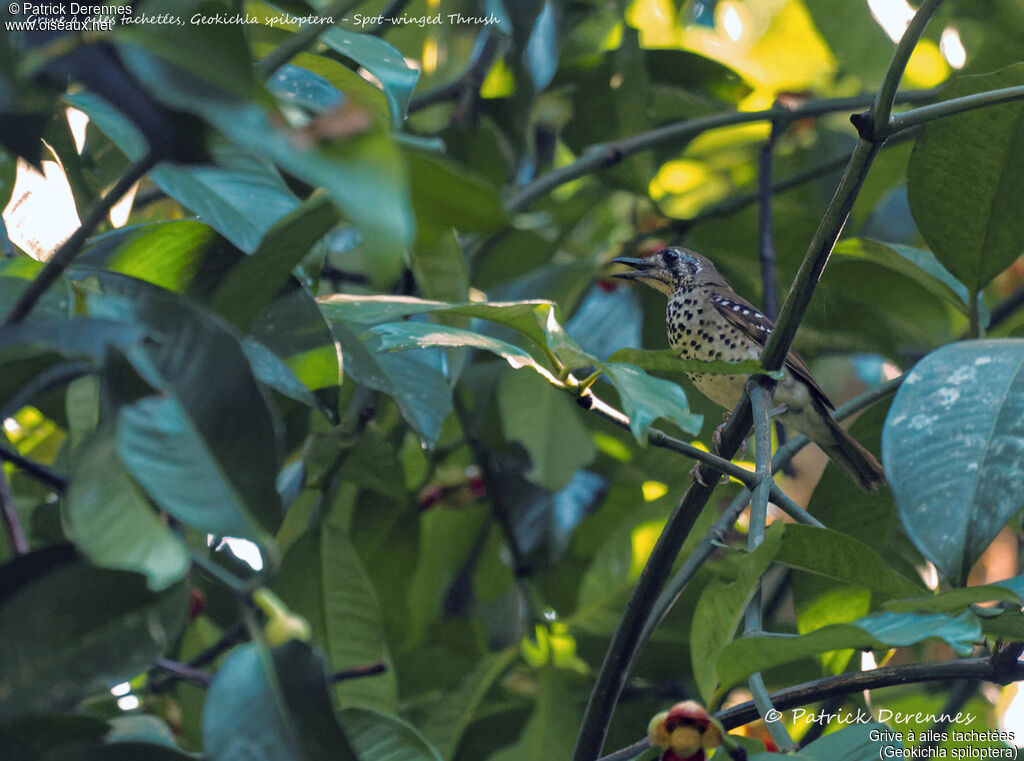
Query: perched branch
x=72, y=247
x=659, y=438
x=12, y=521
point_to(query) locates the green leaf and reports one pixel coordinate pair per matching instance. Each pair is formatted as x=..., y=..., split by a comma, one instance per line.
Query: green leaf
x=445, y=196
x=385, y=738
x=744, y=657
x=241, y=197
x=206, y=450
x=364, y=174
x=322, y=579
x=421, y=392
x=719, y=610
x=691, y=71
x=271, y=371
x=272, y=706
x=118, y=630
x=862, y=742
x=915, y=263
x=548, y=425
x=401, y=336
x=669, y=361
x=15, y=275
x=441, y=270
x=954, y=600
x=254, y=281
x=108, y=518
x=382, y=60
x=646, y=398
x=841, y=557
x=551, y=729
x=857, y=40
x=953, y=446
x=965, y=179
x=453, y=713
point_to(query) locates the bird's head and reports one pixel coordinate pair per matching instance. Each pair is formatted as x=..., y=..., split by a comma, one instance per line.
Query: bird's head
x=670, y=269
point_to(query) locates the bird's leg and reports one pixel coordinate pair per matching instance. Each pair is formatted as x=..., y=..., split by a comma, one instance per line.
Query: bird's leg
x=716, y=437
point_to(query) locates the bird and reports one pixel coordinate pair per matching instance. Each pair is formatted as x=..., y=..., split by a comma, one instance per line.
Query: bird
x=707, y=320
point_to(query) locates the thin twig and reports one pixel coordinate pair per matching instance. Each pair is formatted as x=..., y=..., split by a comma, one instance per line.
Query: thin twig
x=183, y=672
x=603, y=155
x=12, y=521
x=918, y=116
x=484, y=52
x=495, y=494
x=35, y=469
x=359, y=672
x=303, y=38
x=70, y=248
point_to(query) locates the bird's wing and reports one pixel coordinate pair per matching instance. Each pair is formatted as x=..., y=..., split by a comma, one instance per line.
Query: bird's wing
x=757, y=327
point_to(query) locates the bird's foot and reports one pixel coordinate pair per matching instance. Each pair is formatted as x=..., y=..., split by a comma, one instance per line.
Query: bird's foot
x=779, y=410
x=696, y=475
x=716, y=437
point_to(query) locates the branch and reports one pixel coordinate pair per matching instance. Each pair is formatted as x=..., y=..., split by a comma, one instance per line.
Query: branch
x=12, y=521
x=35, y=469
x=987, y=669
x=889, y=676
x=918, y=116
x=881, y=110
x=70, y=248
x=303, y=38
x=760, y=401
x=603, y=155
x=659, y=438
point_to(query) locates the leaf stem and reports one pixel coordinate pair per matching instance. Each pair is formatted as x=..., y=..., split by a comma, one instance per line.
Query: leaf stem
x=72, y=247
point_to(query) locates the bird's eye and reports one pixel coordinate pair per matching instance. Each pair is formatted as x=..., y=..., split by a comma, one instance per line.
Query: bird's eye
x=671, y=257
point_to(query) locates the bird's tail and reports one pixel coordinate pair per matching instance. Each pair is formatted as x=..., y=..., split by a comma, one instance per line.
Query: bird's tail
x=851, y=457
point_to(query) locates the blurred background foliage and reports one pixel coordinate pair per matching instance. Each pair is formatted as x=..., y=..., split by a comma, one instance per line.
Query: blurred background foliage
x=196, y=375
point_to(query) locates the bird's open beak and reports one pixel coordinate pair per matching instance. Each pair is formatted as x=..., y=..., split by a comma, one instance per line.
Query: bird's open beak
x=641, y=267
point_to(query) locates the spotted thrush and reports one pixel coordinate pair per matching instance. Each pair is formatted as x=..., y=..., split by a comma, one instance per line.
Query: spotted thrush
x=707, y=320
